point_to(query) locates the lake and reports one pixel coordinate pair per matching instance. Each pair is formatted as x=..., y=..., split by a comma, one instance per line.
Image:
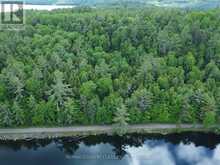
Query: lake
x=47, y=7
x=38, y=7
x=167, y=3
x=181, y=149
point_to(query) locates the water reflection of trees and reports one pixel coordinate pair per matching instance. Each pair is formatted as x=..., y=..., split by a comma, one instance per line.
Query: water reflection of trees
x=67, y=145
x=70, y=145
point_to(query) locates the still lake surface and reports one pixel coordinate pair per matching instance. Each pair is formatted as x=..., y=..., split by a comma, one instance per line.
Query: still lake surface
x=37, y=7
x=174, y=149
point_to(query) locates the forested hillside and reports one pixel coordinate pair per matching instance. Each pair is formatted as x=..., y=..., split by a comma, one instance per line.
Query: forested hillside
x=86, y=66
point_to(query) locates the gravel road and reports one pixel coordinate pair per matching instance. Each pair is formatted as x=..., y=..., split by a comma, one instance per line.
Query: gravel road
x=29, y=133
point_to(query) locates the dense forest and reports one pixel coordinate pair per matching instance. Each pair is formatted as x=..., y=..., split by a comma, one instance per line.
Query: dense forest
x=97, y=66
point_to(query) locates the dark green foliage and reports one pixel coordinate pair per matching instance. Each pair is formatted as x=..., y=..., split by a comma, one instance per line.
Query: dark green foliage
x=77, y=66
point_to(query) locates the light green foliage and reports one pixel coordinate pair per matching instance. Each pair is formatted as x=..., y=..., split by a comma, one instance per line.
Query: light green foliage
x=5, y=115
x=141, y=99
x=13, y=76
x=72, y=114
x=18, y=113
x=188, y=62
x=121, y=120
x=59, y=90
x=88, y=89
x=209, y=119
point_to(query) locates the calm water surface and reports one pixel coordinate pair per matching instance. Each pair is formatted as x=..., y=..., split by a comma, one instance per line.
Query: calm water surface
x=180, y=149
x=37, y=7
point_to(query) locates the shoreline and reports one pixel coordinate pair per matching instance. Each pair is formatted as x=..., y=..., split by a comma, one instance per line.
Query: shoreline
x=59, y=132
